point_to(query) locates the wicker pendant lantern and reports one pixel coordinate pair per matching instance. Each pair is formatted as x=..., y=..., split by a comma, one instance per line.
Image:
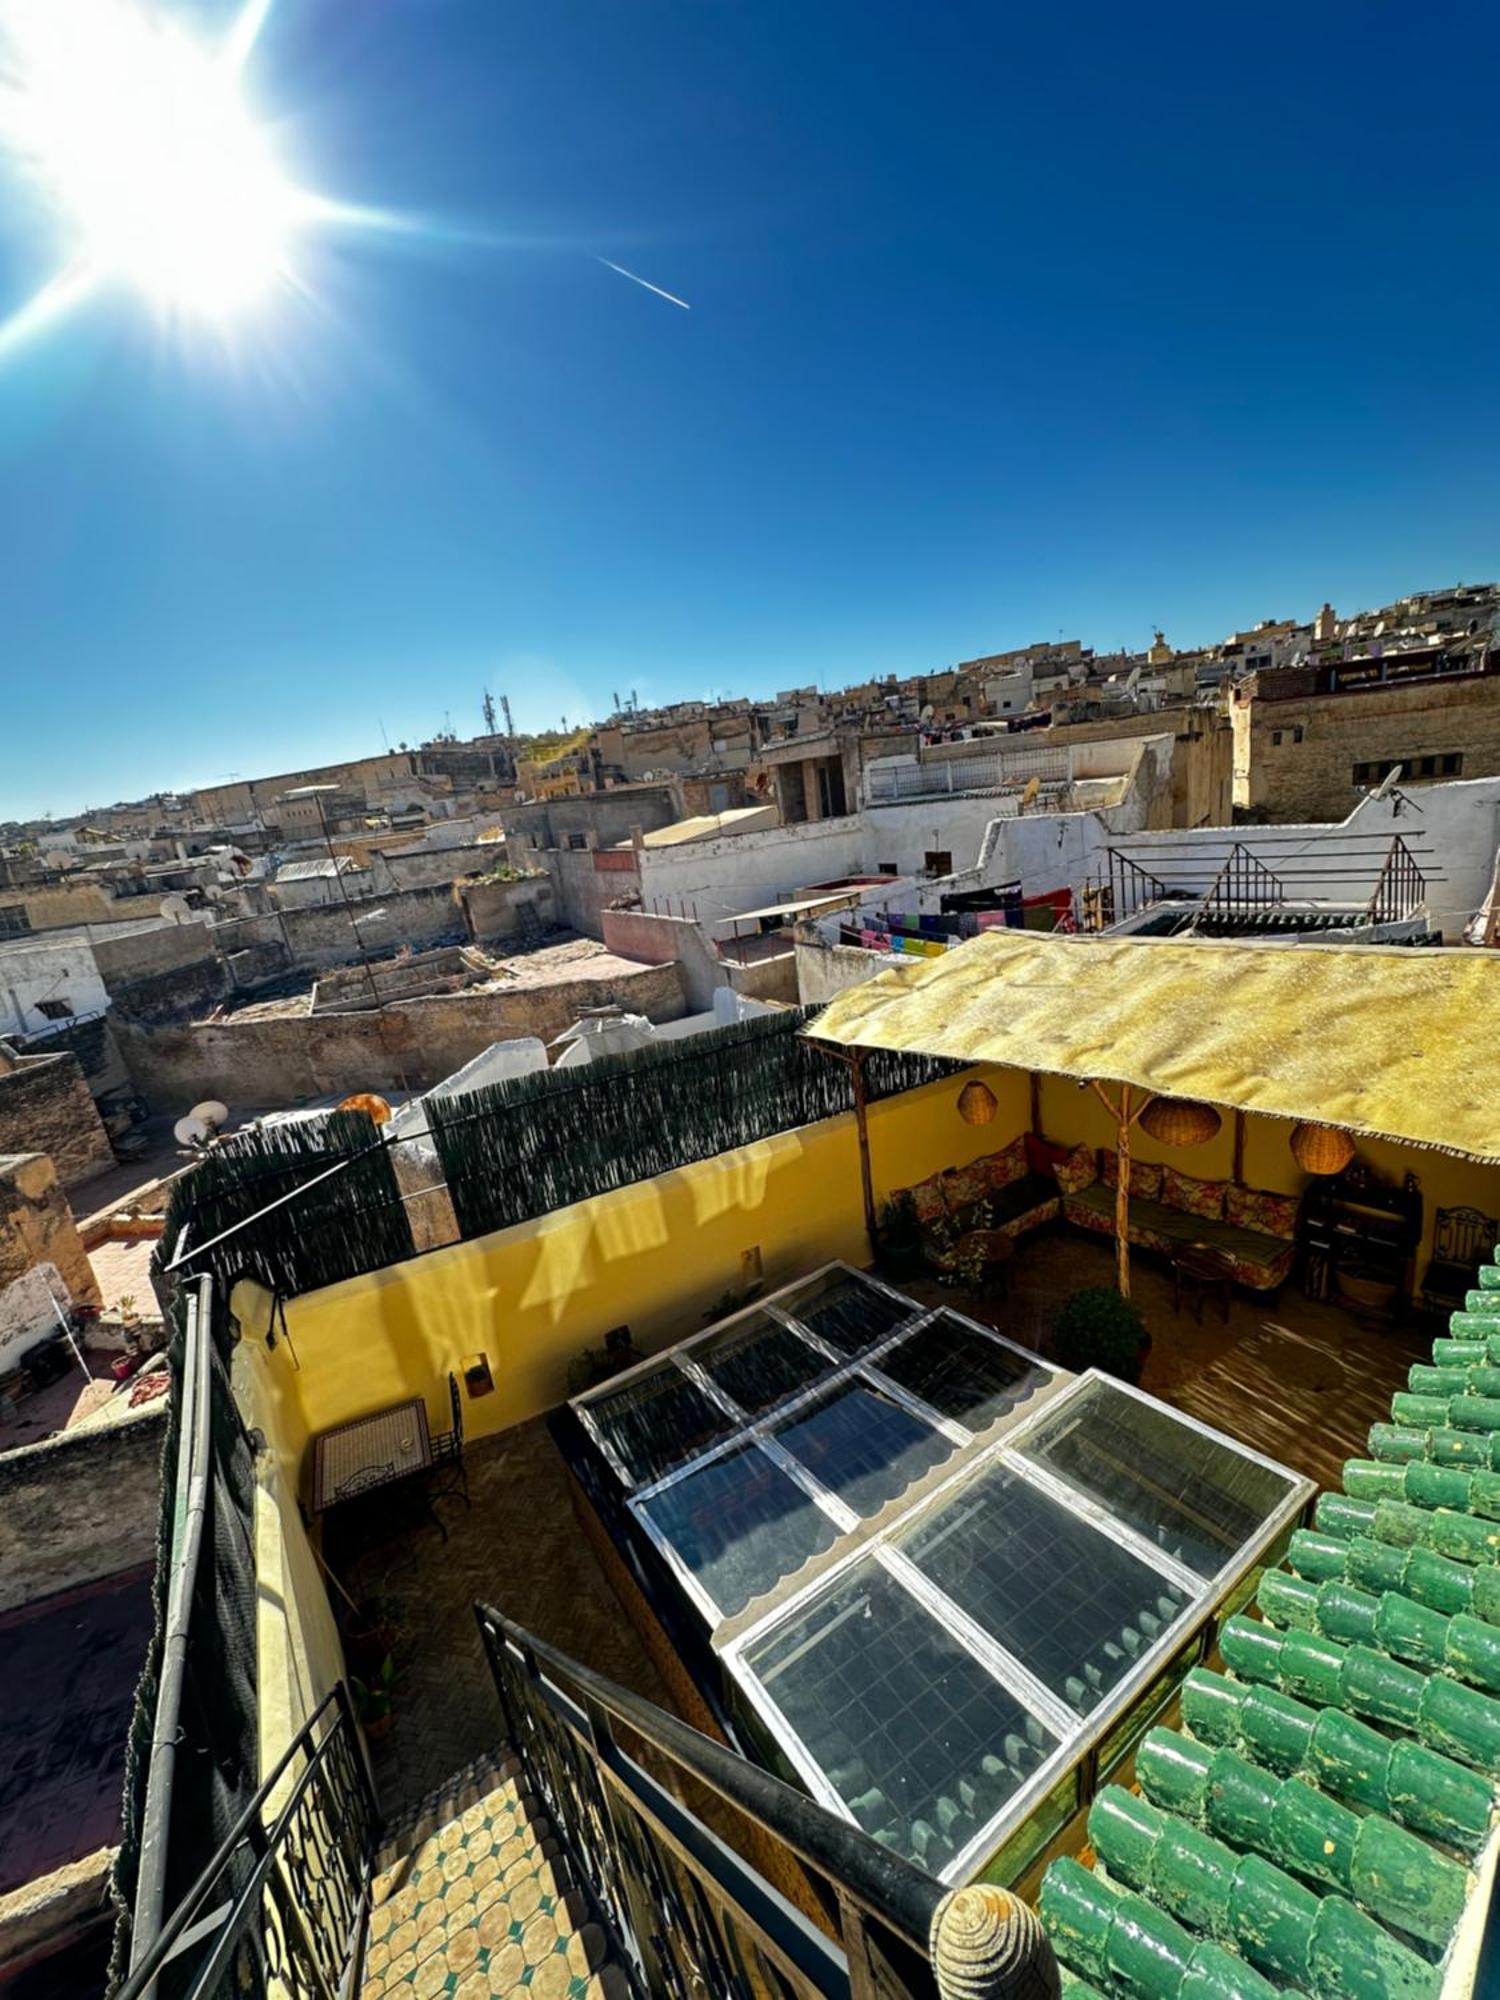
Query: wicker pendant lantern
x=976, y=1104
x=1180, y=1121
x=1321, y=1149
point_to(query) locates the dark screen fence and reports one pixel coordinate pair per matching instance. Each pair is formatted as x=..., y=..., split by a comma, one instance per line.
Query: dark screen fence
x=351, y=1221
x=532, y=1144
x=216, y=1772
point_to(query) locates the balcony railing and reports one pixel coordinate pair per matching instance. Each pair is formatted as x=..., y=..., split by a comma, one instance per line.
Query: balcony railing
x=281, y=1907
x=689, y=1914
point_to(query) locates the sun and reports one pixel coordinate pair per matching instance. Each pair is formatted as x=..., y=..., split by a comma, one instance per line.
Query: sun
x=138, y=138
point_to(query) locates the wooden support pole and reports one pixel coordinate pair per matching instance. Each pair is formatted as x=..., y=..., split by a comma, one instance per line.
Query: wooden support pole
x=862, y=1126
x=1036, y=1103
x=1239, y=1147
x=1124, y=1118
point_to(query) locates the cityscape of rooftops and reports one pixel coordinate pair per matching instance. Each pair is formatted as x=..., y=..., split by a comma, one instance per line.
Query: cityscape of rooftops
x=749, y=881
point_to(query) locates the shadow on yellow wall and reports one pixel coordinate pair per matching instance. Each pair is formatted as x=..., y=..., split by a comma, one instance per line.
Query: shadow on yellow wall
x=655, y=1256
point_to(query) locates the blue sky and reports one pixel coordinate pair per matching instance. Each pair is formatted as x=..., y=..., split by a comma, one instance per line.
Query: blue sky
x=1004, y=321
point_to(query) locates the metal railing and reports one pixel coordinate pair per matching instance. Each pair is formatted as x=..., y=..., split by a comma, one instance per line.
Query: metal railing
x=687, y=1913
x=282, y=1906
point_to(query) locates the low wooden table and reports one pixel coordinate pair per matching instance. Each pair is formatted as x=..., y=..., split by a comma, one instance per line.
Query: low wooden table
x=371, y=1451
x=1206, y=1270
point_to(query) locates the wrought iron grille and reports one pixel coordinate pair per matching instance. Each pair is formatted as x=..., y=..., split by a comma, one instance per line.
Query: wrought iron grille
x=690, y=1915
x=281, y=1907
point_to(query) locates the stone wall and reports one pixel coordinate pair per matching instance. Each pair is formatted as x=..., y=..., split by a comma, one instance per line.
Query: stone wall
x=183, y=993
x=1202, y=756
x=658, y=940
x=325, y=935
x=134, y=954
x=45, y=1107
x=279, y=1060
x=36, y=1227
x=80, y=1507
x=407, y=977
x=495, y=907
x=1297, y=758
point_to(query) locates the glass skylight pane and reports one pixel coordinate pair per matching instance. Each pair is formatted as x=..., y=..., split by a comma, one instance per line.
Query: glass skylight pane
x=1073, y=1607
x=760, y=1362
x=961, y=1373
x=657, y=1421
x=739, y=1525
x=847, y=1311
x=922, y=1744
x=1193, y=1496
x=862, y=1444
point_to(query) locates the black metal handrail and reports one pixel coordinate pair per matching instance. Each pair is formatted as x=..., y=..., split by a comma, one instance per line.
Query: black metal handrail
x=691, y=1915
x=283, y=1902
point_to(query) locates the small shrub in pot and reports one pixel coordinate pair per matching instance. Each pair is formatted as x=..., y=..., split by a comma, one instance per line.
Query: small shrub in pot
x=1097, y=1328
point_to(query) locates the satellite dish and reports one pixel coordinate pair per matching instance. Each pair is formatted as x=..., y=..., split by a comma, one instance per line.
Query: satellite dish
x=1388, y=783
x=192, y=1132
x=212, y=1113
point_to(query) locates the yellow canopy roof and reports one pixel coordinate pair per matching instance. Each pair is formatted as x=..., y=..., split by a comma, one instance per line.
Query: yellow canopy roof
x=1397, y=1043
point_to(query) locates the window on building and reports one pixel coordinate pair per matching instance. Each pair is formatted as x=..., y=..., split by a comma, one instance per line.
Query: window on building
x=54, y=1010
x=14, y=922
x=1276, y=735
x=1297, y=733
x=938, y=861
x=577, y=840
x=887, y=868
x=1433, y=764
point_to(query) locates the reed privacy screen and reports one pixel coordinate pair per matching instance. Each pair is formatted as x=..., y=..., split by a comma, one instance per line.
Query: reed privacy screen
x=531, y=1144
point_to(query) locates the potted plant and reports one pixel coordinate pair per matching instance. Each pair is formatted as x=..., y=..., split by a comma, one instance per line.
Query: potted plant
x=1098, y=1328
x=374, y=1699
x=900, y=1237
x=373, y=1632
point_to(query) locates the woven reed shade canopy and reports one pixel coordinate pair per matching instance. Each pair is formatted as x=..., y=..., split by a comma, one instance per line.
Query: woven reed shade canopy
x=1376, y=1039
x=1180, y=1121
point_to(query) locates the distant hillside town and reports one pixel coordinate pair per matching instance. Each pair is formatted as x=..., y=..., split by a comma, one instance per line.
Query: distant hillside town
x=378, y=923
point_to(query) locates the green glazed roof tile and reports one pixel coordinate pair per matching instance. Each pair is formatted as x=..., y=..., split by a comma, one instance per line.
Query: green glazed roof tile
x=1311, y=1828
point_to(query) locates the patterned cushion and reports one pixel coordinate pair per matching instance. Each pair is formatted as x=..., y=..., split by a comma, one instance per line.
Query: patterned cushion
x=1002, y=1168
x=1271, y=1214
x=1042, y=1155
x=963, y=1186
x=1144, y=1181
x=1081, y=1213
x=927, y=1199
x=1192, y=1196
x=1261, y=1273
x=1076, y=1172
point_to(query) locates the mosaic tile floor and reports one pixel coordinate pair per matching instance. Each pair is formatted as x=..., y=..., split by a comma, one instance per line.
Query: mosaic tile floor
x=474, y=1899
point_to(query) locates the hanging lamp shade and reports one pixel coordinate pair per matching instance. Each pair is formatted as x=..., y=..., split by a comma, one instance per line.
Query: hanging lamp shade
x=976, y=1104
x=366, y=1100
x=1180, y=1121
x=1321, y=1149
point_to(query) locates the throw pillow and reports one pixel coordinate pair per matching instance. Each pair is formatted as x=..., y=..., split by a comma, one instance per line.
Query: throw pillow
x=1191, y=1196
x=1002, y=1168
x=1271, y=1214
x=1042, y=1155
x=1145, y=1181
x=1076, y=1172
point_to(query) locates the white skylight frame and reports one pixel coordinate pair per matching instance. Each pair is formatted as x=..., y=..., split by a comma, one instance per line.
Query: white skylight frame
x=1075, y=1735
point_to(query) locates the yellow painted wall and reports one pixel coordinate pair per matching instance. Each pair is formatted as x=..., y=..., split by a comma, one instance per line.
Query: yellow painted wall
x=655, y=1256
x=1074, y=1117
x=298, y=1654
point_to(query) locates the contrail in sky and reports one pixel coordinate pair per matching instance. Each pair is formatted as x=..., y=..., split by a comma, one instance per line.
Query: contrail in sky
x=670, y=297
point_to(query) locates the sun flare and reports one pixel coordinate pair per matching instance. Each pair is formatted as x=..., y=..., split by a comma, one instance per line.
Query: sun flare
x=138, y=140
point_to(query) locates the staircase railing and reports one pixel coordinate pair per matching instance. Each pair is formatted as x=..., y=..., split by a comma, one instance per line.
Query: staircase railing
x=282, y=1906
x=620, y=1779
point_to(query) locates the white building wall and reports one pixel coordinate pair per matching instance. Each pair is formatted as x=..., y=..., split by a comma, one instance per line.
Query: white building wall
x=1454, y=830
x=31, y=973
